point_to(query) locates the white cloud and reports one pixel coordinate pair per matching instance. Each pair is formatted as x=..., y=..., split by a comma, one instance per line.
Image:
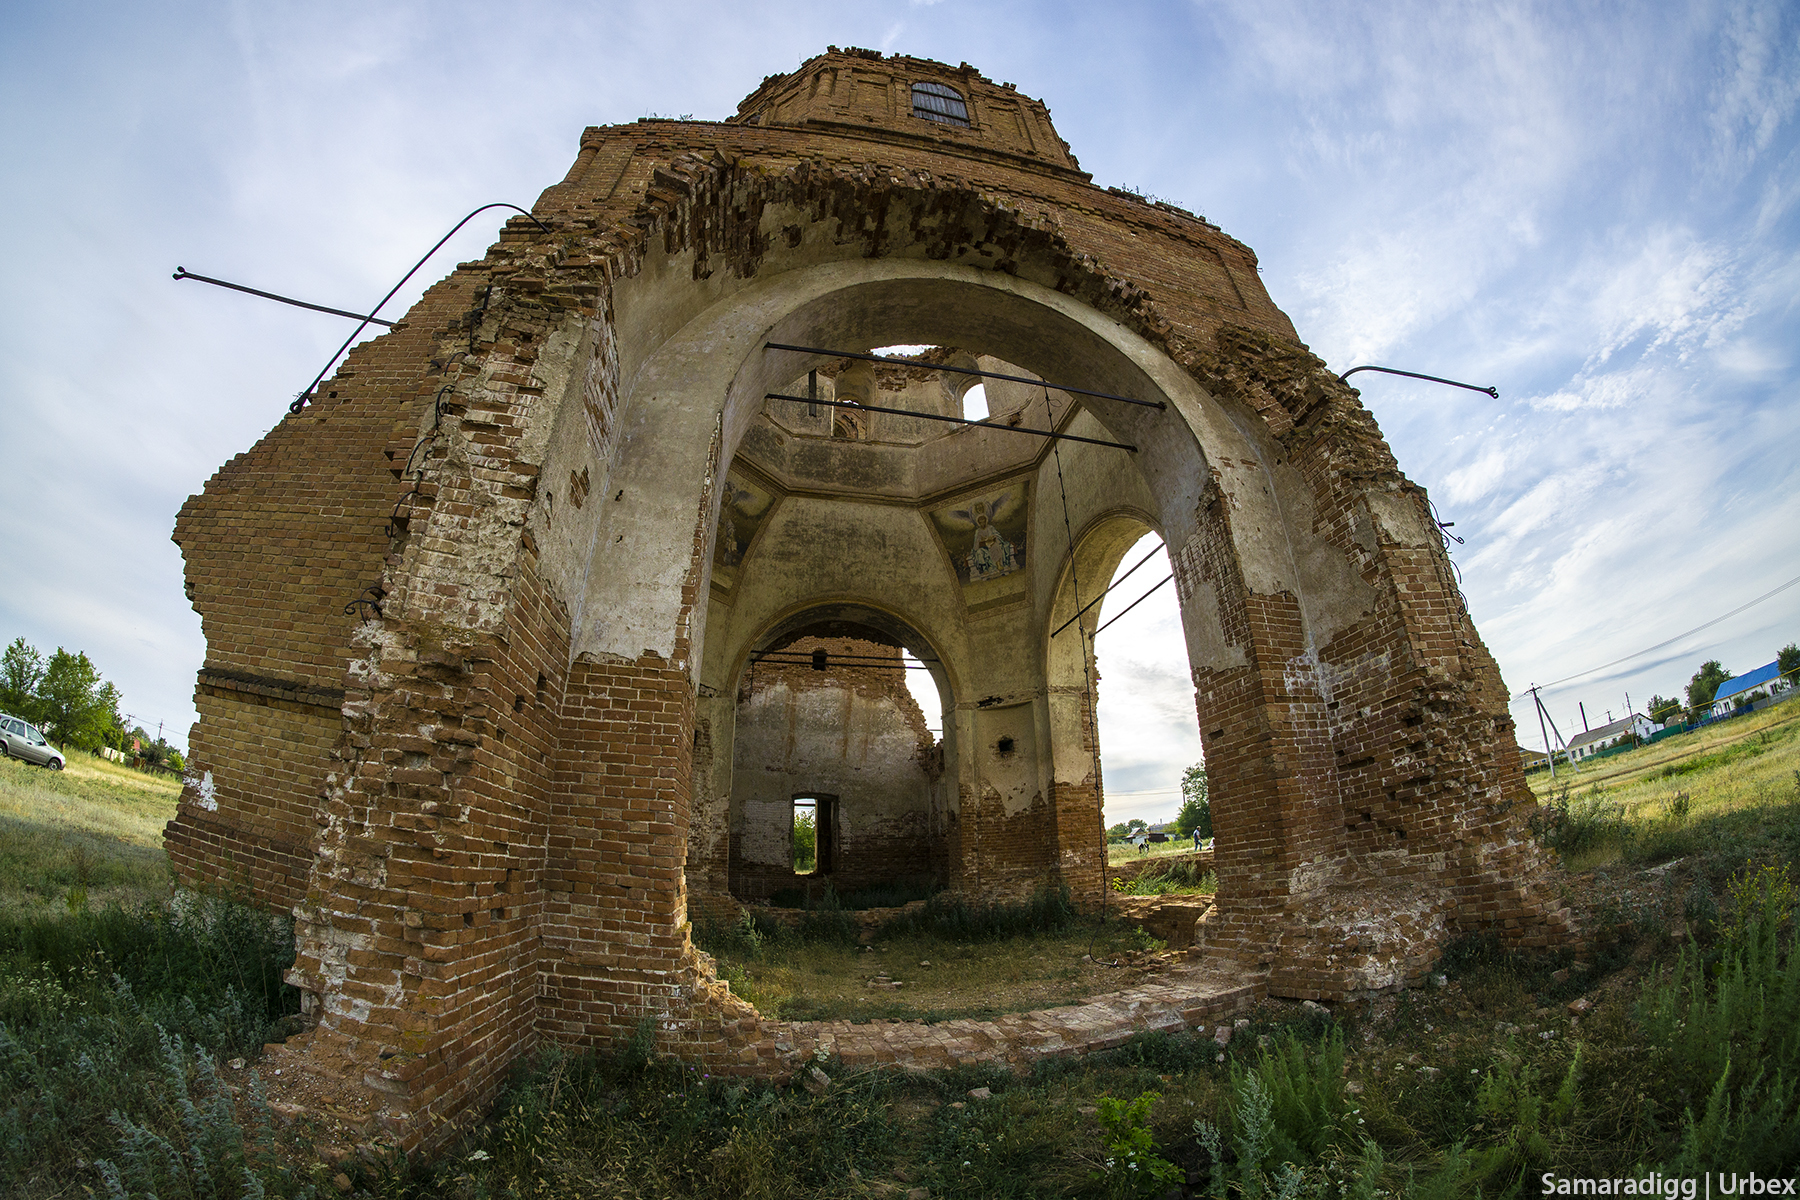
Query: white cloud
x=1759, y=85
x=1480, y=477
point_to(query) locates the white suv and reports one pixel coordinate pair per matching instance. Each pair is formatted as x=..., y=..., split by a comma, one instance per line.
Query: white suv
x=20, y=740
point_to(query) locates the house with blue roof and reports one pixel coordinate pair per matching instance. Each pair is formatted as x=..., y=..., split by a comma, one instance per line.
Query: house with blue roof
x=1764, y=681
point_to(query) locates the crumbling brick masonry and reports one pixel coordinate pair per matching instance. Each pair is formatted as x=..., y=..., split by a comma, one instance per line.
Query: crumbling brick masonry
x=586, y=539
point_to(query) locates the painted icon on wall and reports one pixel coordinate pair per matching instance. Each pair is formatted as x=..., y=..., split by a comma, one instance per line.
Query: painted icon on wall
x=741, y=514
x=986, y=535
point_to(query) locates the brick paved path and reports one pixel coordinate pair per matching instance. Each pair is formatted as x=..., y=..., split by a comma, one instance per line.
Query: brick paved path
x=1185, y=997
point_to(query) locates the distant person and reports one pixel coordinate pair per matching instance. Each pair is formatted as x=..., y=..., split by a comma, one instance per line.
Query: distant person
x=1196, y=837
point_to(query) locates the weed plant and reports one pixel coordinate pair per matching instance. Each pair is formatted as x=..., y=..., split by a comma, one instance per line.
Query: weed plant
x=107, y=1016
x=1176, y=876
x=1577, y=826
x=1693, y=1065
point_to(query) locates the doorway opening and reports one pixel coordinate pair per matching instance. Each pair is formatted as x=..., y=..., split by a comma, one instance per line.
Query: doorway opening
x=811, y=835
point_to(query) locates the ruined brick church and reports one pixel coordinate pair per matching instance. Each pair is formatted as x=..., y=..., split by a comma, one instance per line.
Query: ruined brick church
x=529, y=634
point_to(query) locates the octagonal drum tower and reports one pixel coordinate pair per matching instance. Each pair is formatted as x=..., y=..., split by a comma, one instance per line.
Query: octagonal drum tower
x=529, y=631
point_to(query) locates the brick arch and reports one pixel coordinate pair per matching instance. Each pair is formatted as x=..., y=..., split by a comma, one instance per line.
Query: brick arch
x=868, y=752
x=1071, y=673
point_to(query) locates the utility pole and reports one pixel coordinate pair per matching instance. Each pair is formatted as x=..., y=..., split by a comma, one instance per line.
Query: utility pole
x=1549, y=750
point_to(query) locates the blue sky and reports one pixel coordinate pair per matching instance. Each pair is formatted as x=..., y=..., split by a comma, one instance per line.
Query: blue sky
x=1592, y=208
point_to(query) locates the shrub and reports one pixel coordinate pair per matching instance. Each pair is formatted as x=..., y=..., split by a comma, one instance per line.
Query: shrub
x=1728, y=1034
x=1131, y=1166
x=1176, y=875
x=109, y=1024
x=1585, y=823
x=827, y=920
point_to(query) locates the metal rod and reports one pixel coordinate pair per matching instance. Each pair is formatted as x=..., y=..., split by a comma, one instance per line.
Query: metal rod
x=300, y=400
x=1134, y=604
x=184, y=273
x=1109, y=587
x=913, y=362
x=807, y=662
x=887, y=658
x=1491, y=391
x=901, y=412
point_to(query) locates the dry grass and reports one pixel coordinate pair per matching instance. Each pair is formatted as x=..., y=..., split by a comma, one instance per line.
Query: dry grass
x=939, y=980
x=95, y=827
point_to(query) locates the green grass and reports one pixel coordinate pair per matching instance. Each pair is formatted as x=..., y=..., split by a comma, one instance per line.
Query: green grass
x=949, y=960
x=95, y=826
x=1688, y=1055
x=1124, y=852
x=1179, y=877
x=1468, y=1090
x=1687, y=1059
x=940, y=979
x=119, y=1008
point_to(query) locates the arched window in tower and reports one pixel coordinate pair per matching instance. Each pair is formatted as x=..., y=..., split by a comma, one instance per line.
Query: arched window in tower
x=940, y=103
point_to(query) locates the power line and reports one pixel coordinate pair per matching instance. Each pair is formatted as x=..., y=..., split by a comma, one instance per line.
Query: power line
x=1671, y=641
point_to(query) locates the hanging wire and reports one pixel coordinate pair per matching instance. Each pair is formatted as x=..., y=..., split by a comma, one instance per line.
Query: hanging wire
x=429, y=438
x=1445, y=537
x=1779, y=588
x=1087, y=678
x=300, y=400
x=1097, y=599
x=1136, y=602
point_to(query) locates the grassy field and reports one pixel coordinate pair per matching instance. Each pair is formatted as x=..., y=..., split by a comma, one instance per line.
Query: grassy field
x=1652, y=804
x=1124, y=852
x=117, y=1008
x=95, y=826
x=1669, y=1039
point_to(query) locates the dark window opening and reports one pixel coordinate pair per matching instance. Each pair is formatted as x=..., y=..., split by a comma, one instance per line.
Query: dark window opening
x=937, y=102
x=1004, y=746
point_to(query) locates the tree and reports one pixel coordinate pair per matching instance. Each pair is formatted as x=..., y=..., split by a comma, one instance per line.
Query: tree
x=21, y=675
x=1705, y=684
x=806, y=842
x=1664, y=710
x=1788, y=661
x=1196, y=805
x=77, y=706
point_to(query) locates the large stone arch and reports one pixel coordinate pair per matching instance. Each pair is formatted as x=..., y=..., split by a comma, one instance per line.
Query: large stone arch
x=921, y=835
x=477, y=788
